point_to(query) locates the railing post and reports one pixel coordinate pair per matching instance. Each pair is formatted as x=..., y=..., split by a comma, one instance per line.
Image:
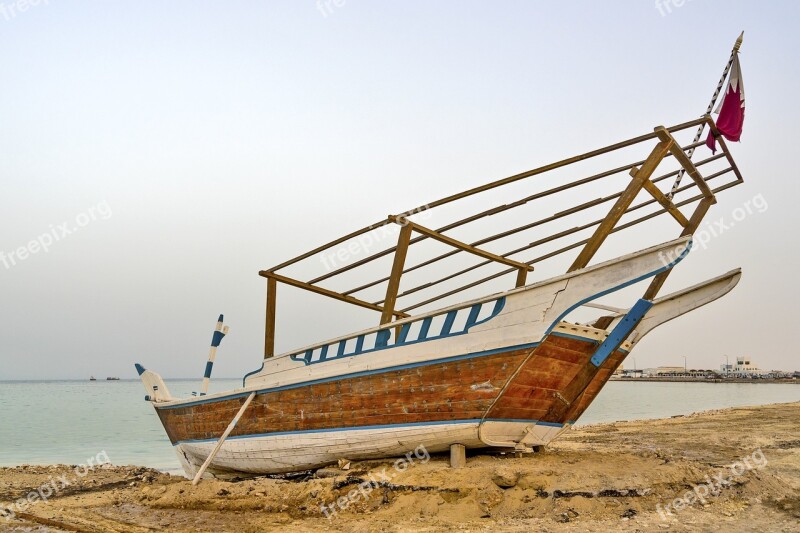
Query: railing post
x=522, y=276
x=269, y=323
x=397, y=271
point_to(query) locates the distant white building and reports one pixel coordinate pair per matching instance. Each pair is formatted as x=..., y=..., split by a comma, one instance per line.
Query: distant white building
x=669, y=371
x=744, y=365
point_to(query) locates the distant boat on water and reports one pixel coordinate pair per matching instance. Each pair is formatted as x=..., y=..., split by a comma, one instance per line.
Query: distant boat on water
x=92, y=378
x=112, y=379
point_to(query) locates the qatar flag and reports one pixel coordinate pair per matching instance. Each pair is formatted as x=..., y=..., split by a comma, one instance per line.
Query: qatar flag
x=731, y=109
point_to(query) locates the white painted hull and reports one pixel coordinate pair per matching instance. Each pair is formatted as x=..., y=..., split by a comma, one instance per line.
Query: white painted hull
x=306, y=451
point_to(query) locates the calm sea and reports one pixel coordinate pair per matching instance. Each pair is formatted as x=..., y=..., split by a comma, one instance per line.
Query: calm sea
x=48, y=422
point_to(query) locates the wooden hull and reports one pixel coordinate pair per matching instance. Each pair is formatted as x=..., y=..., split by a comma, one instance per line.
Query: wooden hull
x=494, y=399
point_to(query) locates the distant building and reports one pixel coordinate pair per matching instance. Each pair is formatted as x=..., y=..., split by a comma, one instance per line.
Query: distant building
x=744, y=365
x=631, y=373
x=669, y=371
x=678, y=372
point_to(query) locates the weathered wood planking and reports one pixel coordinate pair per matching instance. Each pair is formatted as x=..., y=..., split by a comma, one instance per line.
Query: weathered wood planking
x=541, y=387
x=434, y=392
x=466, y=389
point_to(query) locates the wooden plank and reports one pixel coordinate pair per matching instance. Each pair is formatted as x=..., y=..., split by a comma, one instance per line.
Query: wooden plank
x=269, y=322
x=422, y=394
x=326, y=292
x=697, y=217
x=662, y=199
x=397, y=271
x=685, y=162
x=522, y=275
x=600, y=379
x=621, y=205
x=462, y=245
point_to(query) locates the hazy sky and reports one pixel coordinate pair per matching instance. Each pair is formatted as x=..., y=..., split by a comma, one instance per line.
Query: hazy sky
x=187, y=145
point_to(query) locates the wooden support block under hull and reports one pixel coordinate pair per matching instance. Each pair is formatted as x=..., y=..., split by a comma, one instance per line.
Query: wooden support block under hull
x=458, y=456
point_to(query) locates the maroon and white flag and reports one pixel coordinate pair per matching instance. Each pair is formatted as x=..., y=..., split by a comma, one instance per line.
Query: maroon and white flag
x=731, y=109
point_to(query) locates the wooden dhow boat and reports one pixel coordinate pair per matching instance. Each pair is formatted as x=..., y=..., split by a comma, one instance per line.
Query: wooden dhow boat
x=510, y=369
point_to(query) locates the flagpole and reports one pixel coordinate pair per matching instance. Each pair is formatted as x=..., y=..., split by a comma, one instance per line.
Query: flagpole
x=710, y=108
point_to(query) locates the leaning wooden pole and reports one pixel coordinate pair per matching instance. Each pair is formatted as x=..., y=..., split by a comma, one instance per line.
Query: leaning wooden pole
x=221, y=440
x=710, y=108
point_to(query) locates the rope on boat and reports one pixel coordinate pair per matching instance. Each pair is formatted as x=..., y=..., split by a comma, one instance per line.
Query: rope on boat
x=710, y=108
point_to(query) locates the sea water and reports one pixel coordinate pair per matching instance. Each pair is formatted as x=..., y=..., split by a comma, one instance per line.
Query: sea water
x=50, y=422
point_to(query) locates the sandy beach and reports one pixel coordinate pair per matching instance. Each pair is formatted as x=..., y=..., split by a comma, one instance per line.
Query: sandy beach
x=733, y=469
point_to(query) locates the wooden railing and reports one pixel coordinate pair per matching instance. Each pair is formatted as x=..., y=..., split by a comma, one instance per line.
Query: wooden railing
x=641, y=173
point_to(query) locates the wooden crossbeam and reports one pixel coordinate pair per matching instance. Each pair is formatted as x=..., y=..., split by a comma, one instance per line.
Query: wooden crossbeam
x=662, y=199
x=622, y=204
x=685, y=162
x=460, y=245
x=326, y=292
